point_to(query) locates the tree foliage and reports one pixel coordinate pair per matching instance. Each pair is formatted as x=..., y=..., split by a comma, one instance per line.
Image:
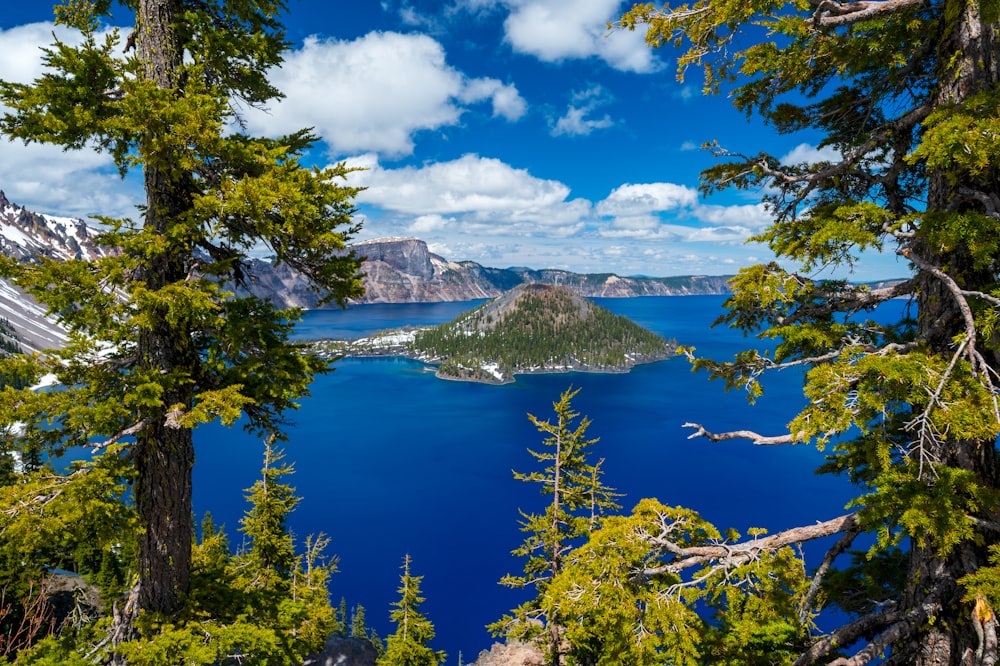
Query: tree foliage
x=579, y=501
x=158, y=343
x=409, y=644
x=904, y=93
x=545, y=327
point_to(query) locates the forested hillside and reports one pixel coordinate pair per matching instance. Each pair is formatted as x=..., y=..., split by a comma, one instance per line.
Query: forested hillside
x=536, y=328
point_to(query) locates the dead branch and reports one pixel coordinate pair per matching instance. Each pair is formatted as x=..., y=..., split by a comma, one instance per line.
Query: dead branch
x=832, y=14
x=760, y=440
x=728, y=555
x=848, y=633
x=843, y=543
x=114, y=439
x=906, y=626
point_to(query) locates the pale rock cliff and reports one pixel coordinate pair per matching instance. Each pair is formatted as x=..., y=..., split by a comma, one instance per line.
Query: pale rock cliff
x=404, y=270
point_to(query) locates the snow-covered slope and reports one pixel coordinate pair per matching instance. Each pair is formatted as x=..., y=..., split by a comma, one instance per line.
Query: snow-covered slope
x=28, y=236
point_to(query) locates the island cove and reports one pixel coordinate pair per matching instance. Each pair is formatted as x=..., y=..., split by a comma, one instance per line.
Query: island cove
x=531, y=329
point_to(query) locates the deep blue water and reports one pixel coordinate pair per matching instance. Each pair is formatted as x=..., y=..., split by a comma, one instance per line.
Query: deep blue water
x=390, y=460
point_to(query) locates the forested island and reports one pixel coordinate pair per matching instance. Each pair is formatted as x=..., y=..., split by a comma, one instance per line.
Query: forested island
x=533, y=328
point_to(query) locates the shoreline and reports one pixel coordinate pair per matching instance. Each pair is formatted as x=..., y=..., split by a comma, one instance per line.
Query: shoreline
x=344, y=350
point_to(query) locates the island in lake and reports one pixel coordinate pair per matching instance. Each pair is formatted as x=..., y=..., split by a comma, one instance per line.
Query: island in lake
x=533, y=328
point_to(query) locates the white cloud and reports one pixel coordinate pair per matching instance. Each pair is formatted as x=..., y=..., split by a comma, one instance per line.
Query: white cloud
x=376, y=92
x=469, y=185
x=807, y=154
x=555, y=30
x=575, y=121
x=507, y=101
x=21, y=48
x=751, y=216
x=630, y=200
x=79, y=183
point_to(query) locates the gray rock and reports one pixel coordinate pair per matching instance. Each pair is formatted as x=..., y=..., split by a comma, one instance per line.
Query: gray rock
x=344, y=651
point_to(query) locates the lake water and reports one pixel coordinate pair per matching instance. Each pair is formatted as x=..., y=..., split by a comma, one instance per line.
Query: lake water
x=390, y=460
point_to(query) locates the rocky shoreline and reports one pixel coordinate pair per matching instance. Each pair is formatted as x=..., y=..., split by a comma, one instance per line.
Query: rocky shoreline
x=395, y=344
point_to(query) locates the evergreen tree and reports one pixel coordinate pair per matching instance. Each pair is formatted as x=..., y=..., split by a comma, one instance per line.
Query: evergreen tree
x=358, y=627
x=578, y=499
x=408, y=645
x=268, y=558
x=177, y=349
x=903, y=94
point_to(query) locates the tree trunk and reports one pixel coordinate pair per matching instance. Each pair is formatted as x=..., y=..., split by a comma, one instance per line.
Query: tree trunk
x=953, y=639
x=164, y=454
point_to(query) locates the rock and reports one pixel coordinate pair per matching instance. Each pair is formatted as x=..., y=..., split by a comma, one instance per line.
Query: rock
x=510, y=654
x=344, y=651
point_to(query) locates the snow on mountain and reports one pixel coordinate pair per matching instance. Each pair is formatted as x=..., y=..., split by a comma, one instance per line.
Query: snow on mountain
x=28, y=236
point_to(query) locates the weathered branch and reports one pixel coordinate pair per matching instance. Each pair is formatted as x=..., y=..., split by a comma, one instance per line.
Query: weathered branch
x=905, y=627
x=732, y=555
x=848, y=633
x=831, y=14
x=117, y=437
x=843, y=543
x=760, y=440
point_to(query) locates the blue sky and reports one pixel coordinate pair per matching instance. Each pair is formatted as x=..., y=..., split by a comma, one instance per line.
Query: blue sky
x=507, y=132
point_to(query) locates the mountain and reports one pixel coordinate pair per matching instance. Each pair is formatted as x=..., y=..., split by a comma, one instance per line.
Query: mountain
x=28, y=236
x=537, y=328
x=404, y=270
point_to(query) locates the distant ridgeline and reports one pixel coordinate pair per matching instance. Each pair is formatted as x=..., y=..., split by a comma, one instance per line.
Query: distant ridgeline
x=533, y=328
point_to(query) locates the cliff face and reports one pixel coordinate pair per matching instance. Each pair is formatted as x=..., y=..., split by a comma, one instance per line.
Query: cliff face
x=404, y=270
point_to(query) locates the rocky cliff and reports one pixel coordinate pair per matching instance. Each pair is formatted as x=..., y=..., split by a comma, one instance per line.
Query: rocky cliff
x=404, y=270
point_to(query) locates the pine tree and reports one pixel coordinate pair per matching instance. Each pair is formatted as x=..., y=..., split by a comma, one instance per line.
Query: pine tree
x=176, y=348
x=408, y=645
x=269, y=554
x=578, y=500
x=903, y=94
x=358, y=627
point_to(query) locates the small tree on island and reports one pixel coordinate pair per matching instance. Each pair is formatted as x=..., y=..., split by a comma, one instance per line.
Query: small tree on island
x=408, y=645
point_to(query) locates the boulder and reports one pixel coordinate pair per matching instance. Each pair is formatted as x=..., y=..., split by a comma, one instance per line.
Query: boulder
x=344, y=651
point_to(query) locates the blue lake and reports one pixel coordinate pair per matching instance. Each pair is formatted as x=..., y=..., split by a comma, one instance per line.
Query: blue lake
x=390, y=460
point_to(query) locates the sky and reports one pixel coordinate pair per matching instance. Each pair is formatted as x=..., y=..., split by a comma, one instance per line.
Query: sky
x=505, y=132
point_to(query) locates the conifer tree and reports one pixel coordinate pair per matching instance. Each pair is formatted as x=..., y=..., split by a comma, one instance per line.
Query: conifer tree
x=158, y=342
x=358, y=627
x=578, y=500
x=269, y=552
x=903, y=95
x=408, y=645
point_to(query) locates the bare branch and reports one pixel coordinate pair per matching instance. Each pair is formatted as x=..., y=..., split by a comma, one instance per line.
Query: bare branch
x=906, y=626
x=848, y=633
x=731, y=555
x=831, y=14
x=114, y=439
x=760, y=440
x=843, y=543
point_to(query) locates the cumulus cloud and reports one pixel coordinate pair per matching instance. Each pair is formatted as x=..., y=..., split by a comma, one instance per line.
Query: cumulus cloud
x=575, y=121
x=555, y=30
x=808, y=154
x=376, y=92
x=43, y=177
x=470, y=195
x=78, y=183
x=630, y=200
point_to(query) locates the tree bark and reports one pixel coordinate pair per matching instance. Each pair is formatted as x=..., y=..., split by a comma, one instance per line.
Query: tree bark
x=164, y=454
x=951, y=639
